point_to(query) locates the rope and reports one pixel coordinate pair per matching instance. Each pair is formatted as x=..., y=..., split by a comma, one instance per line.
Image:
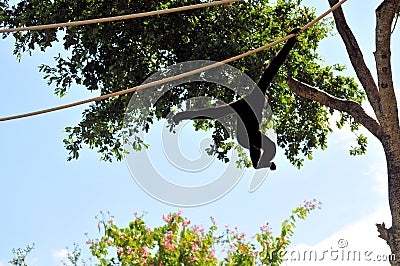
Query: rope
x=117, y=18
x=323, y=15
x=163, y=81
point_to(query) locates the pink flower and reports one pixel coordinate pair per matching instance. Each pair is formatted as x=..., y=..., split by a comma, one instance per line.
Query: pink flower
x=88, y=242
x=312, y=204
x=135, y=214
x=145, y=252
x=186, y=222
x=194, y=259
x=212, y=254
x=195, y=247
x=129, y=251
x=168, y=244
x=166, y=218
x=180, y=212
x=196, y=229
x=213, y=220
x=265, y=228
x=120, y=250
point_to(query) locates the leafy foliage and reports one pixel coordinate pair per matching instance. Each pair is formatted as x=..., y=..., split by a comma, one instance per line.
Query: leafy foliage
x=20, y=255
x=110, y=57
x=177, y=242
x=362, y=146
x=74, y=257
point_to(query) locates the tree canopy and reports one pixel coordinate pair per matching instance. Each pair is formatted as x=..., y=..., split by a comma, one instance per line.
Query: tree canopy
x=114, y=56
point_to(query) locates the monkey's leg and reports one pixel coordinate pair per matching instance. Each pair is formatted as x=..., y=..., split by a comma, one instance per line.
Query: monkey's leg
x=267, y=151
x=255, y=141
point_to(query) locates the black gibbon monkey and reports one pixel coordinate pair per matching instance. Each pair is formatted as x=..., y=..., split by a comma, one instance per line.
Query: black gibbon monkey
x=249, y=109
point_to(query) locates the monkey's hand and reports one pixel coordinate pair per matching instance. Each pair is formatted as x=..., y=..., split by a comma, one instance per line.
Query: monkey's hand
x=208, y=113
x=184, y=116
x=295, y=31
x=179, y=117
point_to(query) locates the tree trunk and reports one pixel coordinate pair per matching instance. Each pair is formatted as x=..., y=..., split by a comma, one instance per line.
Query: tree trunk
x=385, y=14
x=391, y=235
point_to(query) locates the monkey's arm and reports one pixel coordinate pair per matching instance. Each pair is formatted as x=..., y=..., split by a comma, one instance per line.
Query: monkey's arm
x=208, y=113
x=276, y=63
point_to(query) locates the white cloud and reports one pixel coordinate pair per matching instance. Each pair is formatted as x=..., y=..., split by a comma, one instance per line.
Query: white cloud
x=378, y=172
x=357, y=244
x=2, y=264
x=342, y=136
x=60, y=254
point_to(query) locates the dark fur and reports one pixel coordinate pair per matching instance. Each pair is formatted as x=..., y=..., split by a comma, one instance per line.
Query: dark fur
x=249, y=111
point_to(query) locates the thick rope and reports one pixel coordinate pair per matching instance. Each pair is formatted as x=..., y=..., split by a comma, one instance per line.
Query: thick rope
x=166, y=80
x=117, y=18
x=323, y=15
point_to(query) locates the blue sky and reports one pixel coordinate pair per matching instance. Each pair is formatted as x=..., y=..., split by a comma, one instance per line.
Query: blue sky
x=46, y=200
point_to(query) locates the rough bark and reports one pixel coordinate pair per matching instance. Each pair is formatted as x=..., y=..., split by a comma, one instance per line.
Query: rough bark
x=385, y=14
x=392, y=235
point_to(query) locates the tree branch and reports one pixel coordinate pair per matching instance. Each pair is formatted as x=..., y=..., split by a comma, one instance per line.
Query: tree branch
x=385, y=14
x=351, y=107
x=383, y=232
x=357, y=60
x=389, y=235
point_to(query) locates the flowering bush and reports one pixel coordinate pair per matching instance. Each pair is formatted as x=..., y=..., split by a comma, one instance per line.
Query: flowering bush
x=177, y=242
